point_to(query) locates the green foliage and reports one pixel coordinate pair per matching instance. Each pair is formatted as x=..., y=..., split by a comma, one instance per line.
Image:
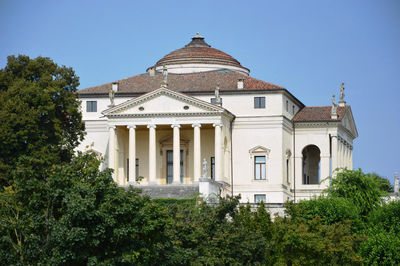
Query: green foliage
x=362, y=189
x=311, y=242
x=331, y=210
x=77, y=215
x=39, y=113
x=383, y=244
x=383, y=183
x=381, y=248
x=170, y=202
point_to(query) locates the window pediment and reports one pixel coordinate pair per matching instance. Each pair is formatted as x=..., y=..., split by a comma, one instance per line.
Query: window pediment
x=259, y=151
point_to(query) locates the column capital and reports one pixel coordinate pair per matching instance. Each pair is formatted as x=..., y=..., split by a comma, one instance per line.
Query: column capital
x=111, y=127
x=175, y=125
x=151, y=126
x=196, y=125
x=217, y=125
x=131, y=126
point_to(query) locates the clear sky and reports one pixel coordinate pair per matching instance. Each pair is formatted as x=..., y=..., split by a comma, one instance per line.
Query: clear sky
x=309, y=47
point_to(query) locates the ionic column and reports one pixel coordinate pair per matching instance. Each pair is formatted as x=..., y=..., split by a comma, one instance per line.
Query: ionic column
x=152, y=153
x=197, y=152
x=218, y=151
x=324, y=170
x=111, y=150
x=347, y=156
x=340, y=160
x=351, y=158
x=334, y=154
x=176, y=155
x=132, y=154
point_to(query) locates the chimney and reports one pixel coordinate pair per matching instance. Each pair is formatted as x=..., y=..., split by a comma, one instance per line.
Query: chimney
x=115, y=86
x=151, y=71
x=240, y=84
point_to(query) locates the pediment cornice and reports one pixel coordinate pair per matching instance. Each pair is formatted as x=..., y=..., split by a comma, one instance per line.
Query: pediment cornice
x=117, y=111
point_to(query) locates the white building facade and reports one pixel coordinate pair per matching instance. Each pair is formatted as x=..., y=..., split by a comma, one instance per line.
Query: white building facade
x=197, y=121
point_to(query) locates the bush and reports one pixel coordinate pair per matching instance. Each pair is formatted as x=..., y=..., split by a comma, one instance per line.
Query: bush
x=331, y=210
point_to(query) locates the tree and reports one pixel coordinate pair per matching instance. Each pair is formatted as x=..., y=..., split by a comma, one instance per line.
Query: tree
x=39, y=113
x=331, y=210
x=383, y=183
x=77, y=215
x=362, y=189
x=383, y=244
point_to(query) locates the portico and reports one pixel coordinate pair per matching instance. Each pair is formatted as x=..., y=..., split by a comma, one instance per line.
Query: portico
x=158, y=148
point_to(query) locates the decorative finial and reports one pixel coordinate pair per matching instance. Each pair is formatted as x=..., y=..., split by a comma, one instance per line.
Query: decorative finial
x=334, y=108
x=164, y=83
x=341, y=101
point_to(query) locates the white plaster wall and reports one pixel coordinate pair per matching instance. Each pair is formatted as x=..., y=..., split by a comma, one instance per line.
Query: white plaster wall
x=194, y=68
x=318, y=136
x=243, y=105
x=266, y=132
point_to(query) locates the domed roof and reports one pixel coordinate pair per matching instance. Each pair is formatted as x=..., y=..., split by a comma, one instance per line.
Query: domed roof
x=198, y=52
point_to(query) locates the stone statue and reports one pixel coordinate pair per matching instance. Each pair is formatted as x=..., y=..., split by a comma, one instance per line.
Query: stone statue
x=205, y=168
x=334, y=108
x=217, y=97
x=342, y=92
x=111, y=96
x=165, y=76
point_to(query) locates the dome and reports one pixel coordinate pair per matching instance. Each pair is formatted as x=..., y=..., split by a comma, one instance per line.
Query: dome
x=198, y=56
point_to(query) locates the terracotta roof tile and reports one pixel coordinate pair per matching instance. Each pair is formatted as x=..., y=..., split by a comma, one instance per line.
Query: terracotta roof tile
x=193, y=82
x=318, y=113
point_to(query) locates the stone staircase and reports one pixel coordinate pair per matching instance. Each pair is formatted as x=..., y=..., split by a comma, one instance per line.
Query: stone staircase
x=179, y=191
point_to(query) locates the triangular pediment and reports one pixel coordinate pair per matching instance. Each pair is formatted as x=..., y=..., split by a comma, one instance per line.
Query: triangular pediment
x=259, y=150
x=349, y=123
x=163, y=101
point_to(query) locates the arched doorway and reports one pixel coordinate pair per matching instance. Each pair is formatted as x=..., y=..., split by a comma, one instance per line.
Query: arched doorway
x=311, y=165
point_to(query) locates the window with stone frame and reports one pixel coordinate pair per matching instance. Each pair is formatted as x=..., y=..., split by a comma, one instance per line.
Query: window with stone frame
x=259, y=102
x=91, y=106
x=258, y=198
x=260, y=172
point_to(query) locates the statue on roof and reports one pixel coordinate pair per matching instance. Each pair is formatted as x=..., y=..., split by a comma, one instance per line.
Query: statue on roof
x=217, y=96
x=165, y=76
x=342, y=91
x=342, y=101
x=334, y=108
x=111, y=94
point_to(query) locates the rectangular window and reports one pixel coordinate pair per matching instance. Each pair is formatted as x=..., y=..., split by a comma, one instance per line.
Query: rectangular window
x=137, y=169
x=258, y=198
x=213, y=168
x=259, y=168
x=170, y=166
x=287, y=171
x=91, y=106
x=259, y=102
x=214, y=101
x=293, y=109
x=127, y=170
x=287, y=106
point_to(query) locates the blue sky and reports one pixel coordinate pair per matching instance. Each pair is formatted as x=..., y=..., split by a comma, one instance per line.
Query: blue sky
x=309, y=47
